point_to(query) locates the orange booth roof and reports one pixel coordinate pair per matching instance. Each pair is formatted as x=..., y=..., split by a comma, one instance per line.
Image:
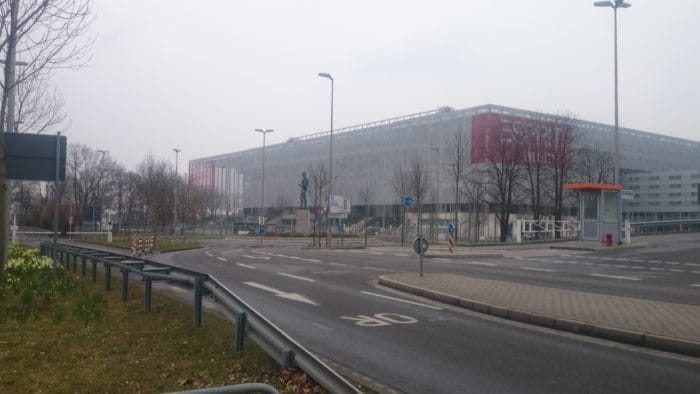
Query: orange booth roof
x=592, y=186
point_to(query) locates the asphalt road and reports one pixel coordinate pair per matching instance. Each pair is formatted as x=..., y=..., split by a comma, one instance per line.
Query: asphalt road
x=326, y=300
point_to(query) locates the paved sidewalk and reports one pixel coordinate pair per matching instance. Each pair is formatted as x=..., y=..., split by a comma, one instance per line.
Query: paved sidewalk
x=660, y=325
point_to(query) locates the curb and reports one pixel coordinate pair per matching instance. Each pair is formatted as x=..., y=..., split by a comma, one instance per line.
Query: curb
x=653, y=341
x=602, y=248
x=462, y=256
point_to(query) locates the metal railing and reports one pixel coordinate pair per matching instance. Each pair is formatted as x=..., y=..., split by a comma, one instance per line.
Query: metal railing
x=663, y=226
x=528, y=230
x=283, y=349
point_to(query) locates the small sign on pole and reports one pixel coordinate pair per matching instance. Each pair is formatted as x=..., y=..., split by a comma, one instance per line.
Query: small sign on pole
x=420, y=246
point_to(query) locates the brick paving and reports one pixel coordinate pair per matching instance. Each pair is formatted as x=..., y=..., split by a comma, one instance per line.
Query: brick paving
x=645, y=316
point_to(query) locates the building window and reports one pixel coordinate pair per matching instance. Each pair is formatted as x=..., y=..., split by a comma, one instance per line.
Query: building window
x=675, y=186
x=675, y=194
x=654, y=195
x=654, y=203
x=695, y=176
x=653, y=187
x=610, y=201
x=653, y=178
x=674, y=203
x=674, y=177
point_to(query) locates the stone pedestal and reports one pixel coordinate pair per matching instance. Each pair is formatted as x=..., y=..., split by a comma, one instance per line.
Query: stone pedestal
x=303, y=221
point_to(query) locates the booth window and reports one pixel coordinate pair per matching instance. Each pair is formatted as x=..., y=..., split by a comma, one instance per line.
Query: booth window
x=590, y=206
x=610, y=206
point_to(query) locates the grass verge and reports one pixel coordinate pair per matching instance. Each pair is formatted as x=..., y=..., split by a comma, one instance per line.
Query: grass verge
x=130, y=351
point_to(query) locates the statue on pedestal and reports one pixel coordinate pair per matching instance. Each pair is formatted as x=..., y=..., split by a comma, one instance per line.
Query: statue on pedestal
x=304, y=186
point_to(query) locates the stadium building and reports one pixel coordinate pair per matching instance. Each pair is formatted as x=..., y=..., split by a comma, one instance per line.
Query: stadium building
x=368, y=155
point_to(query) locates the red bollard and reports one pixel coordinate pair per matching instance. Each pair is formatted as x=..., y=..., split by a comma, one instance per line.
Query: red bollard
x=608, y=240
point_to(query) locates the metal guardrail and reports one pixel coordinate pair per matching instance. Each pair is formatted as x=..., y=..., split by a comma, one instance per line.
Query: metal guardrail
x=235, y=389
x=283, y=349
x=661, y=226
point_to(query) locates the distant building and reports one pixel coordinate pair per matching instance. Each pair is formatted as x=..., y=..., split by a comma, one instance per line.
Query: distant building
x=370, y=154
x=662, y=195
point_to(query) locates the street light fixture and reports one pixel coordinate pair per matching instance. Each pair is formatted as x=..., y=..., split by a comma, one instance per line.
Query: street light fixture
x=616, y=176
x=177, y=181
x=262, y=191
x=330, y=187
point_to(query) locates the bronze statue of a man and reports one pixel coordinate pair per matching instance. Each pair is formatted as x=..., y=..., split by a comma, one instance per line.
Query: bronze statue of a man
x=304, y=186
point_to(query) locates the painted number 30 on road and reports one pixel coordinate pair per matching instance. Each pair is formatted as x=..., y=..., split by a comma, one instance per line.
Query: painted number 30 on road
x=380, y=319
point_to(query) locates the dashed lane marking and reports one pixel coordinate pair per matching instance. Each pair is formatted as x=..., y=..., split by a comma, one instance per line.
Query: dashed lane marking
x=638, y=261
x=373, y=268
x=538, y=269
x=656, y=261
x=400, y=300
x=246, y=266
x=339, y=264
x=296, y=277
x=587, y=263
x=480, y=263
x=675, y=270
x=604, y=265
x=695, y=284
x=209, y=254
x=693, y=264
x=657, y=269
x=401, y=255
x=672, y=262
x=615, y=277
x=619, y=259
x=607, y=258
x=376, y=253
x=321, y=326
x=622, y=266
x=222, y=259
x=695, y=272
x=256, y=257
x=637, y=267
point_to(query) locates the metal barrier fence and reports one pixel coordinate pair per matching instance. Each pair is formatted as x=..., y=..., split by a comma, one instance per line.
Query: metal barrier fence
x=663, y=226
x=283, y=349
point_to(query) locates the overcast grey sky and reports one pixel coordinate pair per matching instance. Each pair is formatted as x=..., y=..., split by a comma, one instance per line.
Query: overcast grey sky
x=201, y=75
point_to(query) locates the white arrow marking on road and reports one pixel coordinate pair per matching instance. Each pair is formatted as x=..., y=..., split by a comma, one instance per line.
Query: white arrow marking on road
x=246, y=266
x=615, y=277
x=400, y=300
x=297, y=277
x=538, y=269
x=255, y=257
x=221, y=258
x=282, y=294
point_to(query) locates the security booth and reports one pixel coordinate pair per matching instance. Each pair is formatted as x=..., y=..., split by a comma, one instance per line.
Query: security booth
x=600, y=211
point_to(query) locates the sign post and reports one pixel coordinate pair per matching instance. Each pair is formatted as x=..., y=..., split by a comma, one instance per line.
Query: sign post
x=451, y=239
x=420, y=246
x=407, y=203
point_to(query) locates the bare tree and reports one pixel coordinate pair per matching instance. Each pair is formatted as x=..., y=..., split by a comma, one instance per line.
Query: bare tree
x=418, y=185
x=592, y=164
x=319, y=179
x=156, y=185
x=457, y=167
x=534, y=132
x=475, y=191
x=366, y=195
x=558, y=145
x=39, y=108
x=400, y=186
x=46, y=35
x=503, y=152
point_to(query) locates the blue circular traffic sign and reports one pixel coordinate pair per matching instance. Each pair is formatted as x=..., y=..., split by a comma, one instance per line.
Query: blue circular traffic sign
x=408, y=201
x=260, y=231
x=451, y=228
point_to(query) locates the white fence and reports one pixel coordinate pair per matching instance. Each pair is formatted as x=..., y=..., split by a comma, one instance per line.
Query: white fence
x=528, y=230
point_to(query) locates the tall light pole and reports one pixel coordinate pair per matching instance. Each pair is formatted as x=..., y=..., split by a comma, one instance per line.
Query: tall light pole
x=330, y=186
x=437, y=191
x=262, y=184
x=615, y=5
x=177, y=181
x=99, y=191
x=616, y=176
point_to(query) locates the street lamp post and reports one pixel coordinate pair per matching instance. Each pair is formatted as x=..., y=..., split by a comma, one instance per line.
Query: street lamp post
x=330, y=186
x=262, y=188
x=437, y=192
x=616, y=176
x=177, y=181
x=99, y=190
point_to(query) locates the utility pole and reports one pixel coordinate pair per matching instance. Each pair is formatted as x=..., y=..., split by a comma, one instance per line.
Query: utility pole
x=99, y=190
x=330, y=186
x=177, y=183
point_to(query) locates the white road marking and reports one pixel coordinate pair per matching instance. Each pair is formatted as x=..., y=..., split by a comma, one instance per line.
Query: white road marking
x=587, y=263
x=178, y=289
x=339, y=264
x=607, y=258
x=376, y=253
x=695, y=272
x=622, y=266
x=622, y=259
x=559, y=261
x=401, y=255
x=615, y=277
x=256, y=257
x=672, y=262
x=400, y=300
x=480, y=263
x=373, y=268
x=637, y=267
x=538, y=269
x=246, y=266
x=694, y=264
x=675, y=270
x=439, y=260
x=657, y=269
x=381, y=319
x=638, y=261
x=695, y=284
x=604, y=265
x=356, y=251
x=656, y=261
x=222, y=259
x=282, y=294
x=321, y=326
x=209, y=254
x=297, y=277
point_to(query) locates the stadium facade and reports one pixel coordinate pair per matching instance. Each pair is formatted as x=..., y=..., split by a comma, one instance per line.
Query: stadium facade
x=368, y=155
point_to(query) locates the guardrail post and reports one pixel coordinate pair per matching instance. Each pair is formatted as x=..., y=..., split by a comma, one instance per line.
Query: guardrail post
x=83, y=261
x=198, y=302
x=241, y=322
x=75, y=263
x=125, y=284
x=147, y=295
x=94, y=270
x=108, y=276
x=288, y=358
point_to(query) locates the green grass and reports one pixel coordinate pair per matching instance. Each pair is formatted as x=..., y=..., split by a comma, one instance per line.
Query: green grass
x=130, y=351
